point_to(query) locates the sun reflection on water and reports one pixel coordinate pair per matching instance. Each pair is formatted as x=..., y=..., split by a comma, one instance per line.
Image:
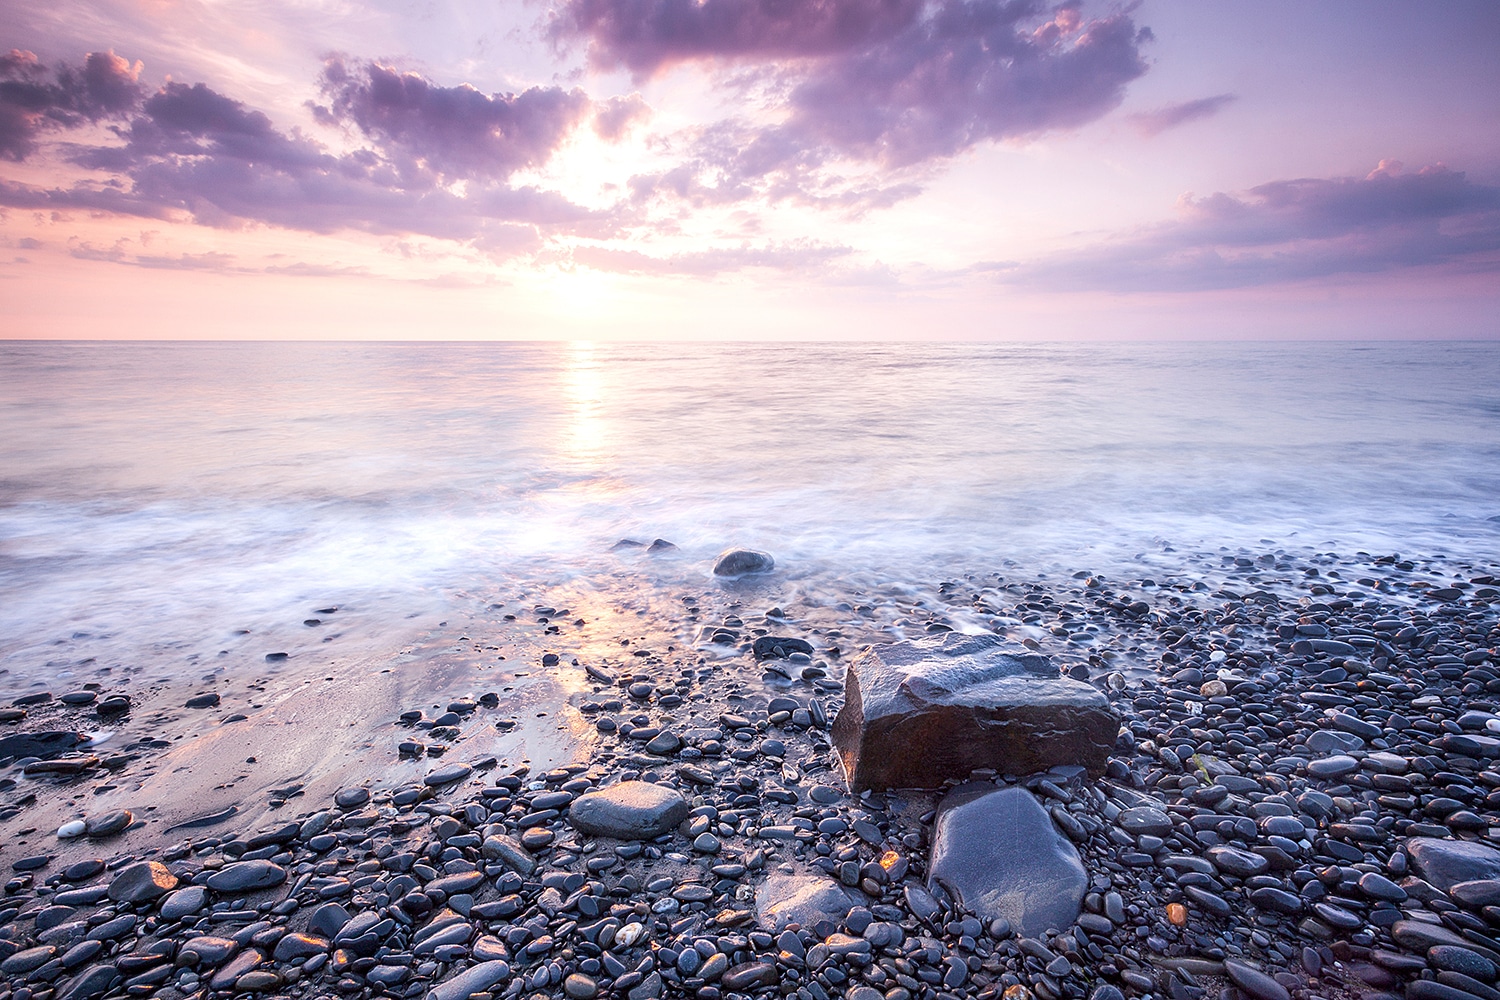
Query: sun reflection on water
x=583, y=386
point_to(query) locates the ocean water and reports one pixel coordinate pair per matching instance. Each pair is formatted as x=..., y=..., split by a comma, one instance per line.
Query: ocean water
x=158, y=498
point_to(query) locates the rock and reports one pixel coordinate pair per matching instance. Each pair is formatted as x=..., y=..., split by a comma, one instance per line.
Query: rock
x=739, y=562
x=1446, y=863
x=1478, y=893
x=351, y=798
x=94, y=981
x=748, y=975
x=246, y=961
x=580, y=987
x=630, y=810
x=477, y=979
x=1420, y=937
x=246, y=876
x=142, y=882
x=298, y=946
x=769, y=647
x=1236, y=862
x=328, y=920
x=27, y=960
x=71, y=829
x=997, y=852
x=509, y=851
x=184, y=902
x=108, y=824
x=202, y=701
x=1332, y=767
x=1464, y=961
x=1254, y=982
x=448, y=775
x=45, y=745
x=917, y=714
x=1145, y=820
x=801, y=899
x=1333, y=741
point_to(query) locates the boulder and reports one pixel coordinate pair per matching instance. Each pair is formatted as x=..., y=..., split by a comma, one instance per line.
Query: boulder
x=918, y=713
x=630, y=810
x=997, y=853
x=1446, y=863
x=801, y=899
x=740, y=562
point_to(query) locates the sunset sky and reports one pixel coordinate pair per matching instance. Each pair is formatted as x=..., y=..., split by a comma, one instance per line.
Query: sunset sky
x=749, y=168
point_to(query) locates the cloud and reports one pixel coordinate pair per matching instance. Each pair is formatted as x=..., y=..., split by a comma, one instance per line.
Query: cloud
x=1154, y=123
x=34, y=100
x=614, y=117
x=1291, y=230
x=857, y=87
x=797, y=256
x=645, y=36
x=190, y=150
x=457, y=132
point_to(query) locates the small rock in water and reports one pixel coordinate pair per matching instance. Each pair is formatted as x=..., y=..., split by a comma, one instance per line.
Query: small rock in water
x=741, y=562
x=997, y=851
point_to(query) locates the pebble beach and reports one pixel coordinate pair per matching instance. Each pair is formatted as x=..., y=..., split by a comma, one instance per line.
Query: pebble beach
x=1301, y=801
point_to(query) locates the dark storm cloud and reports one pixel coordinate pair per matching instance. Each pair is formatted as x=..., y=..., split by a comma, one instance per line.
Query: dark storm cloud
x=455, y=131
x=34, y=99
x=1151, y=123
x=1292, y=230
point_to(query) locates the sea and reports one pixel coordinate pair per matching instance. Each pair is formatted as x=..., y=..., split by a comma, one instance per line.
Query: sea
x=159, y=498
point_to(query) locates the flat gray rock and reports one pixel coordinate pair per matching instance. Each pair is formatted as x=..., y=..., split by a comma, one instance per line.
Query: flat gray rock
x=801, y=899
x=243, y=876
x=630, y=810
x=477, y=979
x=1446, y=863
x=998, y=853
x=918, y=713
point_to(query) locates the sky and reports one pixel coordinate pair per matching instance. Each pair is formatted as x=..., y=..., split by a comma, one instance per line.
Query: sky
x=718, y=169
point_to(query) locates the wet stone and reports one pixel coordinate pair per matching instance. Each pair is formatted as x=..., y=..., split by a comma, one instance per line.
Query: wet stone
x=1254, y=982
x=997, y=851
x=629, y=810
x=142, y=882
x=740, y=562
x=1237, y=862
x=1464, y=961
x=917, y=714
x=449, y=774
x=184, y=902
x=1446, y=863
x=245, y=876
x=1145, y=820
x=108, y=824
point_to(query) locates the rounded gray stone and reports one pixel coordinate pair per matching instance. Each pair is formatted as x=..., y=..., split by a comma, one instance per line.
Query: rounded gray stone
x=630, y=810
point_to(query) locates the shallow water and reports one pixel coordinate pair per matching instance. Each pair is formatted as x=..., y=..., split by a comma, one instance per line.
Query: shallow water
x=156, y=498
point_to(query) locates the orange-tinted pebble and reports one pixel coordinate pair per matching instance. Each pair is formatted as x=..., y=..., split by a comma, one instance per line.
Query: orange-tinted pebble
x=1177, y=914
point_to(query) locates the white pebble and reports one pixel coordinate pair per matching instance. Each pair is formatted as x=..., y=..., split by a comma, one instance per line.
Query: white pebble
x=70, y=829
x=629, y=934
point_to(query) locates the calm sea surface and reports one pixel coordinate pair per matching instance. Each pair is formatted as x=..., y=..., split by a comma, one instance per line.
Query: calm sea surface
x=159, y=496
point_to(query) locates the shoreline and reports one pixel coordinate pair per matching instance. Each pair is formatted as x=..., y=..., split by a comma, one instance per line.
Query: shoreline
x=770, y=798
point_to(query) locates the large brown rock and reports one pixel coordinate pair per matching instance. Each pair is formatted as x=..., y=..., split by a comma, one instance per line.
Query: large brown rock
x=916, y=714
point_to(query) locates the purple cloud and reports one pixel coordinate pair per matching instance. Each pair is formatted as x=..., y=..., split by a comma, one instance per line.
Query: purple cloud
x=1292, y=230
x=647, y=35
x=613, y=118
x=891, y=87
x=189, y=149
x=1153, y=123
x=34, y=100
x=457, y=132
